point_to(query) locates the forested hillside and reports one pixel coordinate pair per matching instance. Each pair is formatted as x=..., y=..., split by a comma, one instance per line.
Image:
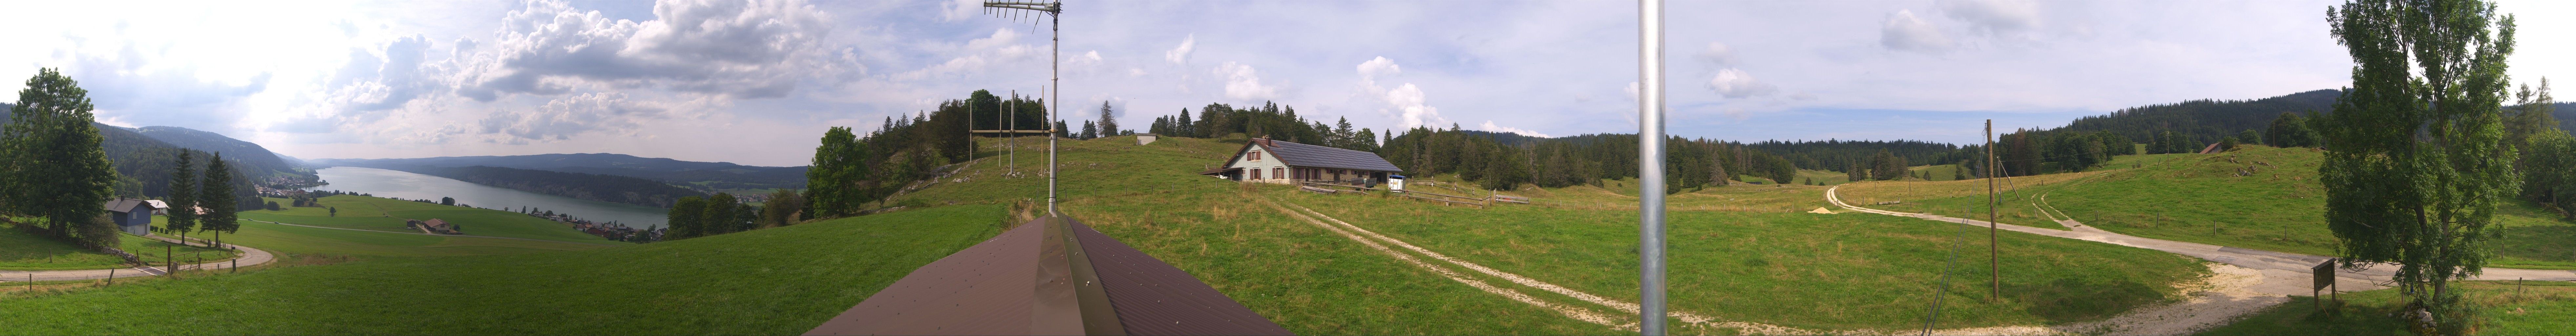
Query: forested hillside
x=255, y=161
x=143, y=164
x=604, y=188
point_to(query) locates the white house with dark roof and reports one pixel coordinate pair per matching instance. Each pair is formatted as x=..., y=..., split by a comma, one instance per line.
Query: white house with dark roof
x=1272, y=161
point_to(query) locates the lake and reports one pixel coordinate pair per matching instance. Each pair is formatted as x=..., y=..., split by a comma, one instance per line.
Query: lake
x=406, y=185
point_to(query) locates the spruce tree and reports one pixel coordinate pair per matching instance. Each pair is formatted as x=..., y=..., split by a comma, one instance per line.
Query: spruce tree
x=183, y=197
x=216, y=196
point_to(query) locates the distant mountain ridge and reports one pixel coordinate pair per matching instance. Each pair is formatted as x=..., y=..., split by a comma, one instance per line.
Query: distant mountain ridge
x=704, y=176
x=249, y=154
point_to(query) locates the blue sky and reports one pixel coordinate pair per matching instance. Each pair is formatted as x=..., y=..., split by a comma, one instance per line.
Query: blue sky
x=758, y=82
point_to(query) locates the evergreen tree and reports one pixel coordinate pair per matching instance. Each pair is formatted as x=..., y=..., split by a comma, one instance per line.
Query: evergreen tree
x=1108, y=120
x=183, y=197
x=1089, y=131
x=2415, y=160
x=216, y=195
x=55, y=169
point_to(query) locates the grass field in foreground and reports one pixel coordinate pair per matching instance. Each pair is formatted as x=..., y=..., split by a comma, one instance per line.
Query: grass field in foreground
x=2505, y=308
x=2277, y=204
x=384, y=214
x=1818, y=271
x=772, y=281
x=24, y=251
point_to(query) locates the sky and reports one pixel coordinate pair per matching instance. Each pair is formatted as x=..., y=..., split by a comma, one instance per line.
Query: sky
x=757, y=83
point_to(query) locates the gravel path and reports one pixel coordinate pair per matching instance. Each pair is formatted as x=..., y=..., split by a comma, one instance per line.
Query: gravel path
x=2234, y=292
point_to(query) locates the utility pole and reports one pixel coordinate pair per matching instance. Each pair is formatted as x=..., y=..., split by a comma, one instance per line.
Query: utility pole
x=1650, y=167
x=1994, y=252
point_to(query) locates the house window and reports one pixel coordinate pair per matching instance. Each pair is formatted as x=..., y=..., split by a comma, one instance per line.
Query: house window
x=1256, y=174
x=1252, y=156
x=1276, y=172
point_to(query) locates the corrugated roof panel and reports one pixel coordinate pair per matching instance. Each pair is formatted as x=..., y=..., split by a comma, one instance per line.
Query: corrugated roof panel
x=1304, y=155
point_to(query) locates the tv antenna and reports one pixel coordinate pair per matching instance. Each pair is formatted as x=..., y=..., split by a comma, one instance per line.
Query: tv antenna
x=1015, y=10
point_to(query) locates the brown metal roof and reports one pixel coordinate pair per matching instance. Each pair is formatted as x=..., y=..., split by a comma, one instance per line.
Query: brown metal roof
x=1041, y=279
x=1154, y=298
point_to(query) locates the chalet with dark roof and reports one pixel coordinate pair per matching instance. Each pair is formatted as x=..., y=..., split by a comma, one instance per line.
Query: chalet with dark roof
x=1273, y=161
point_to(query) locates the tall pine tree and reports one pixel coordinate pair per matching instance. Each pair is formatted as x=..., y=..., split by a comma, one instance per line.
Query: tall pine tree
x=216, y=195
x=183, y=197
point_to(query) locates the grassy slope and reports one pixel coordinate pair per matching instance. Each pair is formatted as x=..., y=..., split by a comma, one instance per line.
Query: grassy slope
x=1314, y=282
x=776, y=281
x=23, y=251
x=2540, y=308
x=1841, y=271
x=2200, y=198
x=383, y=214
x=785, y=280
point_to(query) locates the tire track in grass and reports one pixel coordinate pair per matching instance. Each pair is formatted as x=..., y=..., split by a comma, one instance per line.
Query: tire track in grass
x=1577, y=313
x=1701, y=321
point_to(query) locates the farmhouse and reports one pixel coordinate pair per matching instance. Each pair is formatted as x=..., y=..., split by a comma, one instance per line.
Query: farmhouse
x=432, y=225
x=131, y=215
x=1272, y=161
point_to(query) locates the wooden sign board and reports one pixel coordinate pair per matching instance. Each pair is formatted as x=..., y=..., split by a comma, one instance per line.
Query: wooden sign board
x=2324, y=273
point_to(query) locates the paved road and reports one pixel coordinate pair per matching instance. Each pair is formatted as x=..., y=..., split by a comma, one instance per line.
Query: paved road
x=250, y=257
x=2283, y=273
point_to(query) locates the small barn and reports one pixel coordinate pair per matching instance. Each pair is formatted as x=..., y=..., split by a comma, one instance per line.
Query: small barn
x=131, y=215
x=159, y=207
x=433, y=225
x=1273, y=161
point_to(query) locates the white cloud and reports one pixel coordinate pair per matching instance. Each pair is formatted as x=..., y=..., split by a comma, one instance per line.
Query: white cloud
x=562, y=118
x=1994, y=17
x=1181, y=54
x=1406, y=101
x=1903, y=31
x=1379, y=67
x=954, y=10
x=1091, y=58
x=1242, y=83
x=741, y=49
x=1732, y=83
x=1489, y=126
x=1717, y=54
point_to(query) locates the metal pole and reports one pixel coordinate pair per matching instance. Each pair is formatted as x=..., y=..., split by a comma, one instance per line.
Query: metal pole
x=1014, y=135
x=1055, y=85
x=1650, y=167
x=1994, y=252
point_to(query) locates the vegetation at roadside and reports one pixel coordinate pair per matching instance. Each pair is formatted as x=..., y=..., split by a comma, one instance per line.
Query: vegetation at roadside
x=2504, y=308
x=24, y=251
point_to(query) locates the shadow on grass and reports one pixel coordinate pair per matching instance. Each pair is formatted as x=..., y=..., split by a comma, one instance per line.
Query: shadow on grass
x=2077, y=300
